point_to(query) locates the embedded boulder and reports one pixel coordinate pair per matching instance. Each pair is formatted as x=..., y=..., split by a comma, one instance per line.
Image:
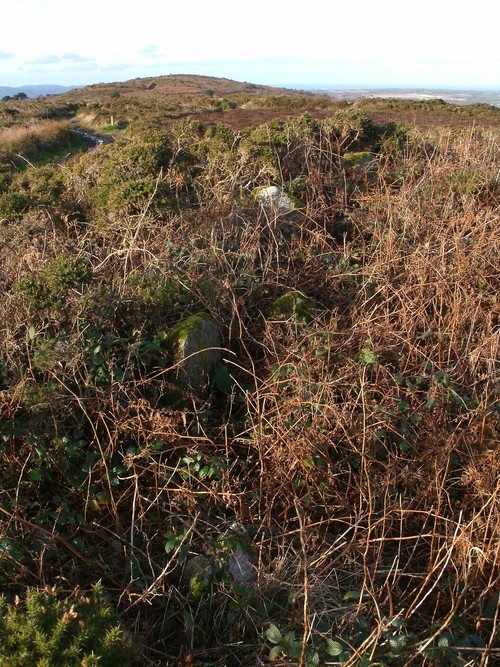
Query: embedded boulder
x=199, y=576
x=293, y=305
x=274, y=200
x=192, y=346
x=237, y=555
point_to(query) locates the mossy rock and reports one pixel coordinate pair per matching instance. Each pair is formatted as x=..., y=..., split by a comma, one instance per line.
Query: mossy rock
x=190, y=345
x=199, y=576
x=292, y=305
x=359, y=162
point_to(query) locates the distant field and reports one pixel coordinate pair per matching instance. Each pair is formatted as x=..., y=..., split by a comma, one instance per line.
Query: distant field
x=451, y=96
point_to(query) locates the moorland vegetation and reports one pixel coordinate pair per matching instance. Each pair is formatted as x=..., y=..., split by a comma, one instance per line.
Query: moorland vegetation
x=349, y=452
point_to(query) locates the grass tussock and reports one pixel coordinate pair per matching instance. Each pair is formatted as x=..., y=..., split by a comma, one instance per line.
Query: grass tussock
x=356, y=452
x=31, y=140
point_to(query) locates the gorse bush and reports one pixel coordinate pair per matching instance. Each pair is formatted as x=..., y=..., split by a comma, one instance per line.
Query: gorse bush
x=349, y=433
x=49, y=630
x=49, y=287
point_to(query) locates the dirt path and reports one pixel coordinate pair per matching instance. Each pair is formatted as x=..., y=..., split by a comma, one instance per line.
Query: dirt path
x=97, y=139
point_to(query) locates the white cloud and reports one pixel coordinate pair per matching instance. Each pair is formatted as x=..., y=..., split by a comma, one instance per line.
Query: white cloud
x=48, y=59
x=76, y=58
x=321, y=41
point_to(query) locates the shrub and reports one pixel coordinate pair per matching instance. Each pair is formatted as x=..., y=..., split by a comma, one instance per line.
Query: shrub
x=47, y=630
x=13, y=205
x=44, y=185
x=31, y=140
x=49, y=287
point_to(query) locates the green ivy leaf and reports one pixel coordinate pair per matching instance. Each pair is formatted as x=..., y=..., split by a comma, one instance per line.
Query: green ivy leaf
x=222, y=380
x=351, y=595
x=333, y=648
x=275, y=653
x=398, y=643
x=443, y=641
x=273, y=634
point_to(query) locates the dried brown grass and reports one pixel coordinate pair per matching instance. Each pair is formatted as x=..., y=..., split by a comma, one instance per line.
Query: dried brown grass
x=409, y=518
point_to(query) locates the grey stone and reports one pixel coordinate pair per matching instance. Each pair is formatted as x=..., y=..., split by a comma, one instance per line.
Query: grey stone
x=274, y=200
x=199, y=575
x=190, y=345
x=237, y=554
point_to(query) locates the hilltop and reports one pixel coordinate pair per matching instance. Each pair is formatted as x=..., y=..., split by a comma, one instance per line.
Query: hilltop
x=173, y=85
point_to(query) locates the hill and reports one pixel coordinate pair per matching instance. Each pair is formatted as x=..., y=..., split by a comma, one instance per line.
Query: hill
x=33, y=91
x=173, y=85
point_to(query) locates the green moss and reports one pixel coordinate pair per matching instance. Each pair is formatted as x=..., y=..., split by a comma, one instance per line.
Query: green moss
x=199, y=574
x=190, y=346
x=357, y=161
x=292, y=305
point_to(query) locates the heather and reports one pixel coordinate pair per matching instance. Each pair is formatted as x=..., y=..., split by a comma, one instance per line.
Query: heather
x=350, y=442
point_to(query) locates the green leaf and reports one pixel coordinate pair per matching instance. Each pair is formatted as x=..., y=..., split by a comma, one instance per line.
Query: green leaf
x=275, y=653
x=443, y=641
x=367, y=356
x=404, y=447
x=415, y=418
x=312, y=659
x=35, y=475
x=398, y=643
x=432, y=653
x=360, y=623
x=222, y=380
x=333, y=648
x=478, y=641
x=31, y=332
x=430, y=403
x=170, y=545
x=351, y=595
x=273, y=634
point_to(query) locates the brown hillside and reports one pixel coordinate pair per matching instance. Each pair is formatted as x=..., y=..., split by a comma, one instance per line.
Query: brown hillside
x=170, y=85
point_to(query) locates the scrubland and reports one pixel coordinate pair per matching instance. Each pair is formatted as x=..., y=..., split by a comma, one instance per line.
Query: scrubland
x=358, y=450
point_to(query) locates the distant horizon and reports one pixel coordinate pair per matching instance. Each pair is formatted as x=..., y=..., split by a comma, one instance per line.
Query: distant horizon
x=315, y=86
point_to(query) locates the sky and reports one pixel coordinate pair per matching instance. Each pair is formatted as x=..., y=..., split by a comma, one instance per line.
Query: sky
x=320, y=43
